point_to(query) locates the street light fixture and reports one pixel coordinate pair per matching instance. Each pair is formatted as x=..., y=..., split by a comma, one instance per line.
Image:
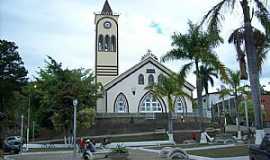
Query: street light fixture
x=28, y=118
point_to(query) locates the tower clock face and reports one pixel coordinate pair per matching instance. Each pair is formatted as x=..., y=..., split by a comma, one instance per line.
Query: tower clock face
x=107, y=25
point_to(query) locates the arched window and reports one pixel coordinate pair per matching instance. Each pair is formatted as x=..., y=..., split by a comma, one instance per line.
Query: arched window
x=100, y=42
x=141, y=79
x=160, y=78
x=179, y=105
x=113, y=46
x=107, y=43
x=121, y=104
x=151, y=79
x=149, y=103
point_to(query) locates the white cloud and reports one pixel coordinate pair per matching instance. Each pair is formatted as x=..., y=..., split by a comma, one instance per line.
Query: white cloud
x=65, y=30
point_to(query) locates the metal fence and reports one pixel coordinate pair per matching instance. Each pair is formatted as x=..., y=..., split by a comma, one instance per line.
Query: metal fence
x=145, y=115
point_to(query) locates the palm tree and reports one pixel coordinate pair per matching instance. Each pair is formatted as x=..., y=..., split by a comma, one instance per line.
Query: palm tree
x=222, y=94
x=197, y=47
x=170, y=87
x=234, y=82
x=259, y=9
x=262, y=47
x=206, y=74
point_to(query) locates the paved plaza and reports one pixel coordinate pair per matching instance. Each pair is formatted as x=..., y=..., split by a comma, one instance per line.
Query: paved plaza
x=135, y=154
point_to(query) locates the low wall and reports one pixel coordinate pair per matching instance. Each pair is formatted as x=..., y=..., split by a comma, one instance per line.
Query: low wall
x=135, y=124
x=112, y=124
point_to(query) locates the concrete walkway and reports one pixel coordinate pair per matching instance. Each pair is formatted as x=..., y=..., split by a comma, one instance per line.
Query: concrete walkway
x=138, y=153
x=193, y=157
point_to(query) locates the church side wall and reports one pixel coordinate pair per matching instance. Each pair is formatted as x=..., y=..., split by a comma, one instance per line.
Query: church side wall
x=101, y=105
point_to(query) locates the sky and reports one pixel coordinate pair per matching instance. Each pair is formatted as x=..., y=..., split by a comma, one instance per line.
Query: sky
x=65, y=30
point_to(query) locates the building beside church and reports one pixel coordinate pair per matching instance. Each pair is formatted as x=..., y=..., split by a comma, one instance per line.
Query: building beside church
x=126, y=93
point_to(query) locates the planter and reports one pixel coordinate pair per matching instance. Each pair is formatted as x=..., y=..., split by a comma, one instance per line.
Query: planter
x=118, y=156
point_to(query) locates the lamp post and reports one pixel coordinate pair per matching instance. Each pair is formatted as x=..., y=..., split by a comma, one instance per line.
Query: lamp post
x=75, y=103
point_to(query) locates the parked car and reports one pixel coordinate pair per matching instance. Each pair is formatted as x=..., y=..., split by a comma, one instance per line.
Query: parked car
x=13, y=144
x=262, y=151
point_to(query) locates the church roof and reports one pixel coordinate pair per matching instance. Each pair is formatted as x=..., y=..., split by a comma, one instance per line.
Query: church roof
x=149, y=59
x=107, y=9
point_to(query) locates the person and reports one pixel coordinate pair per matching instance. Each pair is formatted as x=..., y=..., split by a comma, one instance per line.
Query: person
x=90, y=146
x=82, y=144
x=194, y=136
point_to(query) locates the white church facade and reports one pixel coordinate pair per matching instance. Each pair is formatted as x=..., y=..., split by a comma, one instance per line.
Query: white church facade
x=126, y=93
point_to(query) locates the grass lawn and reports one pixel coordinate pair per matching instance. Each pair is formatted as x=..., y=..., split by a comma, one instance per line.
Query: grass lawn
x=50, y=149
x=152, y=137
x=222, y=152
x=181, y=146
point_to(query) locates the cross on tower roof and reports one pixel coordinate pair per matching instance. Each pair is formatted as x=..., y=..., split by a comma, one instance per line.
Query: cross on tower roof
x=107, y=9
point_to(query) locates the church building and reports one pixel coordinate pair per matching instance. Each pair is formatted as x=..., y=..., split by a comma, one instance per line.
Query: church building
x=126, y=93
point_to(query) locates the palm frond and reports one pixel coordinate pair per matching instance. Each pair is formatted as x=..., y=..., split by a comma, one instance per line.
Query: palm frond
x=175, y=54
x=263, y=15
x=211, y=58
x=262, y=47
x=214, y=17
x=184, y=70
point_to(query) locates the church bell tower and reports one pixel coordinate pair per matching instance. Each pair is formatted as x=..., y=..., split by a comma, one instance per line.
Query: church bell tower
x=106, y=53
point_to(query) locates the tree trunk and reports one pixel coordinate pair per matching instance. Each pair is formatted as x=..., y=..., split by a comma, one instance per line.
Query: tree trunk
x=170, y=123
x=237, y=114
x=199, y=92
x=171, y=110
x=252, y=67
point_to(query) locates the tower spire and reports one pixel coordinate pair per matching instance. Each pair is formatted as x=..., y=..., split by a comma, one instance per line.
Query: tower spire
x=106, y=9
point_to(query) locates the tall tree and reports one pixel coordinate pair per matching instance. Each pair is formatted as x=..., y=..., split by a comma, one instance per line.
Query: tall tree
x=171, y=87
x=207, y=73
x=196, y=46
x=259, y=10
x=12, y=72
x=234, y=82
x=58, y=87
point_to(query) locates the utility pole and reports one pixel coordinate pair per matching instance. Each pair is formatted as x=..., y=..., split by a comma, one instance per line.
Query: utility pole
x=22, y=126
x=28, y=122
x=75, y=103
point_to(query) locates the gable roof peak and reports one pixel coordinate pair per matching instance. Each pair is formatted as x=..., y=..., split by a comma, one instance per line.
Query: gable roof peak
x=107, y=9
x=149, y=54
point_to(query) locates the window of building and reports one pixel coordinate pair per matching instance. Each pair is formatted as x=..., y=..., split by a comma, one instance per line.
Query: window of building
x=107, y=43
x=151, y=79
x=141, y=79
x=100, y=42
x=150, y=103
x=179, y=105
x=160, y=78
x=121, y=105
x=113, y=46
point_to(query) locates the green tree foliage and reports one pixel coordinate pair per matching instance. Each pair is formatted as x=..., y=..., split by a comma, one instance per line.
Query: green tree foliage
x=197, y=47
x=12, y=74
x=250, y=108
x=86, y=117
x=251, y=9
x=170, y=87
x=206, y=74
x=57, y=88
